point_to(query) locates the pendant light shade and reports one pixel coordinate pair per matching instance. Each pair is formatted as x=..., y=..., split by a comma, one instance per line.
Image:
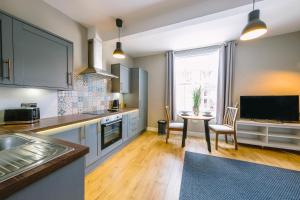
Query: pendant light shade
x=255, y=27
x=118, y=53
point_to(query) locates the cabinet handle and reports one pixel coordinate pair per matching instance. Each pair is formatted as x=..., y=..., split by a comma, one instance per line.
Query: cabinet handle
x=7, y=61
x=82, y=133
x=98, y=128
x=70, y=78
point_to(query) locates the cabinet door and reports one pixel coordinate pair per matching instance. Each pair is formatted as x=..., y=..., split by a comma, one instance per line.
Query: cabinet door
x=122, y=83
x=125, y=127
x=40, y=58
x=143, y=100
x=91, y=140
x=133, y=124
x=73, y=135
x=124, y=80
x=6, y=50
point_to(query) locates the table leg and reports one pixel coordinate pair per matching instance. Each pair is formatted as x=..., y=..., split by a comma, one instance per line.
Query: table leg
x=207, y=136
x=184, y=132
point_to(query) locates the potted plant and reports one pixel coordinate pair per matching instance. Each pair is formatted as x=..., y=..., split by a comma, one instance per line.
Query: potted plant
x=196, y=100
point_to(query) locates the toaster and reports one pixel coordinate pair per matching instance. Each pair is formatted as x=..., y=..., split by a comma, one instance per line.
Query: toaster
x=23, y=115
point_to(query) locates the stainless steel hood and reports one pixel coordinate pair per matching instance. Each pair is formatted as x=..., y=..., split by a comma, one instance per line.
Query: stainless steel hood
x=91, y=69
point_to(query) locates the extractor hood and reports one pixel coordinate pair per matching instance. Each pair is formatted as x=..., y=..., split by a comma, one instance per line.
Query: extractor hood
x=91, y=69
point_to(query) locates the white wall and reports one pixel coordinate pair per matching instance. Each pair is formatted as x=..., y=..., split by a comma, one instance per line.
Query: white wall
x=12, y=97
x=41, y=14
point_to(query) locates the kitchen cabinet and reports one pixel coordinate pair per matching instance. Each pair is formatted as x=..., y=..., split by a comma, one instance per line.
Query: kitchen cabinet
x=93, y=141
x=41, y=59
x=125, y=127
x=6, y=50
x=73, y=135
x=133, y=124
x=88, y=135
x=121, y=84
x=138, y=96
x=65, y=183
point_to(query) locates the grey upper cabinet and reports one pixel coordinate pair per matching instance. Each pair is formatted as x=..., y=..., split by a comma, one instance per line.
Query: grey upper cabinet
x=6, y=50
x=138, y=97
x=120, y=84
x=41, y=59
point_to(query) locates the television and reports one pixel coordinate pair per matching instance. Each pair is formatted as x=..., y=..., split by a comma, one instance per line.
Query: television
x=282, y=108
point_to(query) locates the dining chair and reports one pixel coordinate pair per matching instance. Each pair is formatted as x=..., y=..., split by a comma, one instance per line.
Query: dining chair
x=172, y=126
x=228, y=127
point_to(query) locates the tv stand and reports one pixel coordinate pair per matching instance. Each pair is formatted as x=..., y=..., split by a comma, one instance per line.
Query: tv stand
x=265, y=133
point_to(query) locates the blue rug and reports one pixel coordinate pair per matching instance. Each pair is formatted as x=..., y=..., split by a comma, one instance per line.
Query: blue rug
x=212, y=178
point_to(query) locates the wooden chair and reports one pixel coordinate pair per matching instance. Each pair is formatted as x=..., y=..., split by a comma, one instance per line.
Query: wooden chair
x=228, y=127
x=172, y=126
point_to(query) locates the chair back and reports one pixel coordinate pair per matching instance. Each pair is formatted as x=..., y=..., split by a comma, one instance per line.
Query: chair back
x=168, y=113
x=230, y=117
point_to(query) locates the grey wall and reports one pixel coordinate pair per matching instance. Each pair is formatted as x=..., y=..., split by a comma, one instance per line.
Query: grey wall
x=268, y=66
x=155, y=65
x=39, y=13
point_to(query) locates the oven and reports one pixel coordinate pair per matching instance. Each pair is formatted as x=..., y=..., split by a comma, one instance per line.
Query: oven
x=111, y=130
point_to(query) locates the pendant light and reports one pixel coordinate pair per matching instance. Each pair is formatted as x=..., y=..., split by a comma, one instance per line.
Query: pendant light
x=255, y=27
x=118, y=53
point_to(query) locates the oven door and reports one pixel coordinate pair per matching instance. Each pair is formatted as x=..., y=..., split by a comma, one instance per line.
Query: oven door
x=111, y=133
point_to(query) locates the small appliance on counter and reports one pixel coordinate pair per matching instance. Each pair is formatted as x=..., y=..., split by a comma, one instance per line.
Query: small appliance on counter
x=28, y=113
x=115, y=106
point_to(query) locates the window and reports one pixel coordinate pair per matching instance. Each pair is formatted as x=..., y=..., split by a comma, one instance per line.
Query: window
x=194, y=69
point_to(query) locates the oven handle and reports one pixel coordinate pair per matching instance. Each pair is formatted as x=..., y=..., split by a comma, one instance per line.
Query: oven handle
x=111, y=123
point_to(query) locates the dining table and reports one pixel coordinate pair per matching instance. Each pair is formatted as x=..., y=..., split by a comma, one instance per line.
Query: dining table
x=204, y=118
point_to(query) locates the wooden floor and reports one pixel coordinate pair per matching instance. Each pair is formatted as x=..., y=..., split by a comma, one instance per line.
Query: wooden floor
x=148, y=168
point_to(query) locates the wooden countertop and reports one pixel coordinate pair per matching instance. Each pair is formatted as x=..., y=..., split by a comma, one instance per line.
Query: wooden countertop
x=22, y=180
x=55, y=122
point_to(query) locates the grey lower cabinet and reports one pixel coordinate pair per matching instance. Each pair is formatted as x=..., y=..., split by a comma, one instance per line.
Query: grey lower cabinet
x=89, y=135
x=41, y=59
x=121, y=84
x=125, y=127
x=93, y=141
x=6, y=50
x=133, y=124
x=66, y=183
x=138, y=96
x=74, y=136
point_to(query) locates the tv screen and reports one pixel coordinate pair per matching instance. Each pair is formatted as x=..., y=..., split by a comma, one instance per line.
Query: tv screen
x=283, y=108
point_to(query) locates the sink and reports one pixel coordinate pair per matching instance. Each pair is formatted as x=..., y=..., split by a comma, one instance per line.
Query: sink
x=11, y=141
x=21, y=152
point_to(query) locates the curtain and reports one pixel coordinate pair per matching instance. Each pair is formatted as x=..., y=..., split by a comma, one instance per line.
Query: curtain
x=169, y=91
x=225, y=79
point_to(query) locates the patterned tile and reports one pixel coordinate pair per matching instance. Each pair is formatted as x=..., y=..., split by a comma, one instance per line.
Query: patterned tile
x=89, y=94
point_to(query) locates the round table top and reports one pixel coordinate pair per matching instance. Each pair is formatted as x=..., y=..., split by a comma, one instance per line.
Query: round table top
x=196, y=117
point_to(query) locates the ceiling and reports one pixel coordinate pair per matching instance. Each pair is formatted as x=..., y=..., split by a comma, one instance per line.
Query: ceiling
x=178, y=24
x=138, y=15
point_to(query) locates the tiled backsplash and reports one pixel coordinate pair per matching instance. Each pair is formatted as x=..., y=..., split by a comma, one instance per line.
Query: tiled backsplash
x=90, y=93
